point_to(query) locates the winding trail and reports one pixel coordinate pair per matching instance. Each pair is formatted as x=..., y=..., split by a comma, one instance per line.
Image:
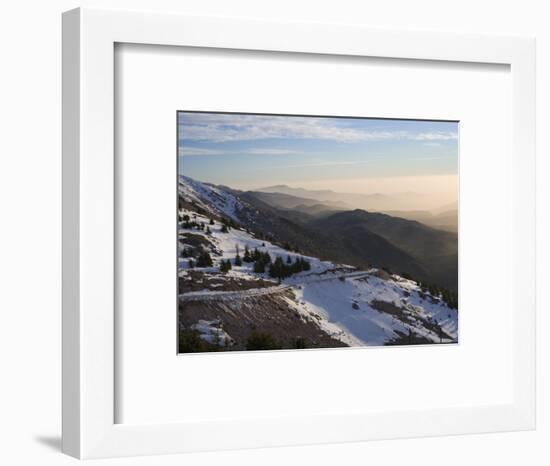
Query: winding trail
x=208, y=295
x=212, y=295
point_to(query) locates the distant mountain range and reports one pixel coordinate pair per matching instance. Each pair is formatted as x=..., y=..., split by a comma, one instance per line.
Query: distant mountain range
x=289, y=201
x=398, y=205
x=347, y=200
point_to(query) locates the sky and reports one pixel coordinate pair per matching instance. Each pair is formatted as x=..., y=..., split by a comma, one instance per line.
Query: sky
x=359, y=155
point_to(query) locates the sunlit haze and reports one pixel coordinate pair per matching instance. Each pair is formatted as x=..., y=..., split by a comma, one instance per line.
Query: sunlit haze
x=415, y=162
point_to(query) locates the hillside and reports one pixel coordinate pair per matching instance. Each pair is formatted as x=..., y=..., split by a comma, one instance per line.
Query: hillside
x=435, y=251
x=363, y=239
x=306, y=302
x=446, y=220
x=354, y=246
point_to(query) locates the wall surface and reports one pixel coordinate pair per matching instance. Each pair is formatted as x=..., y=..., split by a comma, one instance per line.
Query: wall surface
x=30, y=232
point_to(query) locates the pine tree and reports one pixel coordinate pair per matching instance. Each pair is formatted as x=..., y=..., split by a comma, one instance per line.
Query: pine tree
x=225, y=266
x=204, y=259
x=259, y=267
x=211, y=221
x=247, y=257
x=278, y=269
x=191, y=263
x=208, y=231
x=238, y=261
x=225, y=225
x=256, y=255
x=288, y=260
x=261, y=260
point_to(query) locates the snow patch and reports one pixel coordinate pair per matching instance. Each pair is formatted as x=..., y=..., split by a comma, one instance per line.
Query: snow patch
x=212, y=332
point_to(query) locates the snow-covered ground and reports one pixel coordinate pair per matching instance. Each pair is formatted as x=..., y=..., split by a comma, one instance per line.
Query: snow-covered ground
x=348, y=304
x=210, y=198
x=357, y=307
x=236, y=240
x=212, y=332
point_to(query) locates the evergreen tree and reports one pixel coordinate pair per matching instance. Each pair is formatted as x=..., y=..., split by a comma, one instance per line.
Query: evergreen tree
x=247, y=257
x=261, y=260
x=225, y=266
x=261, y=341
x=208, y=231
x=225, y=225
x=238, y=261
x=211, y=221
x=259, y=267
x=256, y=255
x=204, y=259
x=278, y=269
x=191, y=263
x=288, y=260
x=300, y=343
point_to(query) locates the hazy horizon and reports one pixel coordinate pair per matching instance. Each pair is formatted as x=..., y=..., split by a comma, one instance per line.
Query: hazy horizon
x=344, y=155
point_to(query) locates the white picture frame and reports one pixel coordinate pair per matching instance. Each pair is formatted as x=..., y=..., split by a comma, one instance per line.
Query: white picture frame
x=89, y=38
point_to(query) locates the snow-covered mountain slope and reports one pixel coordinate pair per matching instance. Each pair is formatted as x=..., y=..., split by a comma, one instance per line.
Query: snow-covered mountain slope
x=225, y=246
x=350, y=306
x=211, y=198
x=380, y=311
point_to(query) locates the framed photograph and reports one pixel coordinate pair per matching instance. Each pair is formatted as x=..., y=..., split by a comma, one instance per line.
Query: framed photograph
x=269, y=258
x=293, y=233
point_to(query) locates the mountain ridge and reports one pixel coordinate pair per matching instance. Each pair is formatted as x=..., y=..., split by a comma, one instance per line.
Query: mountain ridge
x=229, y=301
x=398, y=244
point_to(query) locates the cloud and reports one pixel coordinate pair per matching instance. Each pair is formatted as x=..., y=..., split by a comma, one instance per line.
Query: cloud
x=438, y=136
x=261, y=151
x=216, y=128
x=186, y=151
x=327, y=164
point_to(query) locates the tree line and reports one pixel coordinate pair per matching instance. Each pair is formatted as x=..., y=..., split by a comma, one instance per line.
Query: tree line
x=449, y=297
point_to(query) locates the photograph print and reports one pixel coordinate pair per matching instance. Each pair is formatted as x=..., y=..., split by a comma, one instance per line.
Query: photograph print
x=307, y=232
